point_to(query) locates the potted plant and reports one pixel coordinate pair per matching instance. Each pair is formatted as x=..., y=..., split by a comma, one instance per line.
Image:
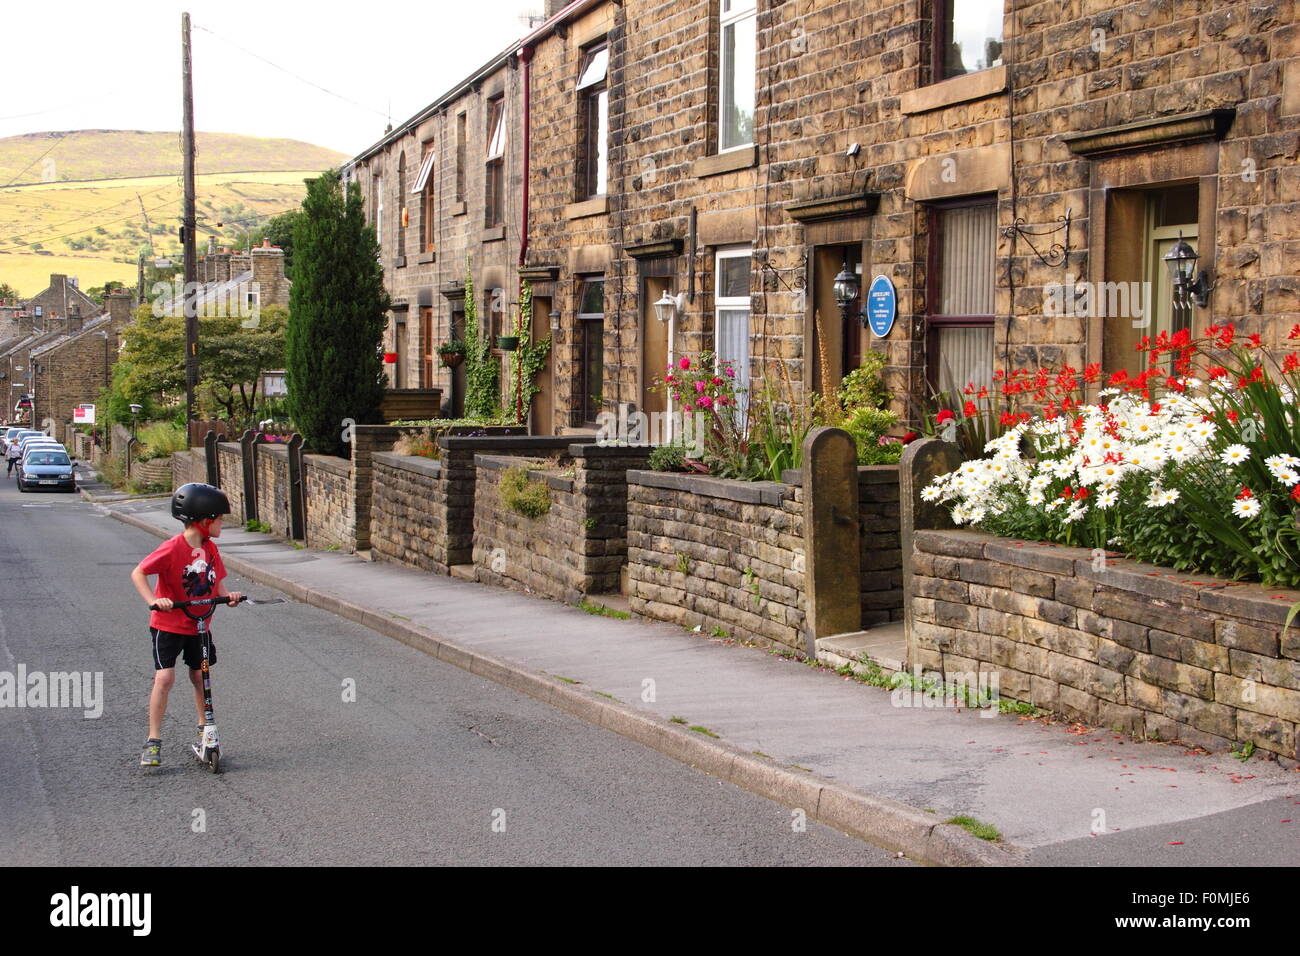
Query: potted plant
x=452, y=353
x=390, y=358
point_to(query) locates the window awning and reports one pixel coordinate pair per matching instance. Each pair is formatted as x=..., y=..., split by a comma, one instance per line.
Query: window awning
x=425, y=168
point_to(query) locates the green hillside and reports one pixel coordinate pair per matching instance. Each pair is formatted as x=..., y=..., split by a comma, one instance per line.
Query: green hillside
x=119, y=195
x=116, y=154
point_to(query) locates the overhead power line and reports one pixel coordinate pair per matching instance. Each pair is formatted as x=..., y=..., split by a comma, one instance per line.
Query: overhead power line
x=286, y=70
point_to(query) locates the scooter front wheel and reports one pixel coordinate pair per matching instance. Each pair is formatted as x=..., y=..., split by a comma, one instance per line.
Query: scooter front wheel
x=214, y=760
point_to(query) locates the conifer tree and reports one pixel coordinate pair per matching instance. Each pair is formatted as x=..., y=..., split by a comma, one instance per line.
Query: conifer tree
x=337, y=306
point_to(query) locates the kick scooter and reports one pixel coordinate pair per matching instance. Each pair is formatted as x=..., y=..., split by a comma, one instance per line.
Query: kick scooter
x=208, y=751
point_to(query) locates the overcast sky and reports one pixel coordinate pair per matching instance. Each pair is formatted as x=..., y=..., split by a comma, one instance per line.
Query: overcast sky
x=71, y=64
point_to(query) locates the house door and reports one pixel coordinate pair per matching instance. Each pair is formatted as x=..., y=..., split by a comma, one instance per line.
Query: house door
x=426, y=348
x=399, y=343
x=654, y=347
x=543, y=410
x=458, y=373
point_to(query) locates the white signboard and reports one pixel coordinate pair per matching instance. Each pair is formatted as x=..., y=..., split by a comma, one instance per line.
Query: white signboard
x=83, y=415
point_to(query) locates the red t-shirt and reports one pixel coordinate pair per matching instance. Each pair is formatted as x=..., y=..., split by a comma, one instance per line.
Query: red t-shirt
x=185, y=573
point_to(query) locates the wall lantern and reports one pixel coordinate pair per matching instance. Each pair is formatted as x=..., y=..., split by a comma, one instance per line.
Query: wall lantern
x=669, y=305
x=555, y=320
x=846, y=288
x=1181, y=262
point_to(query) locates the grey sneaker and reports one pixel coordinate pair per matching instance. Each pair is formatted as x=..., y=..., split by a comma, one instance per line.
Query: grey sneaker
x=151, y=756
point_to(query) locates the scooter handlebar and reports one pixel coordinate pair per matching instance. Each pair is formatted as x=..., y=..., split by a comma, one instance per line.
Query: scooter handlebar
x=202, y=602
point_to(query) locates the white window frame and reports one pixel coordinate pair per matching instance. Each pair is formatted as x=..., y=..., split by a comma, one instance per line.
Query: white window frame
x=740, y=10
x=733, y=304
x=595, y=73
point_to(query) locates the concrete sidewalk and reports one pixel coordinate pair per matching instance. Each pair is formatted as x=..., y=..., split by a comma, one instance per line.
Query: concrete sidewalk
x=805, y=737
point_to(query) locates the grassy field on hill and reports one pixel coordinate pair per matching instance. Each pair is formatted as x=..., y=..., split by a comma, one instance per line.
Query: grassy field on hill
x=95, y=230
x=118, y=154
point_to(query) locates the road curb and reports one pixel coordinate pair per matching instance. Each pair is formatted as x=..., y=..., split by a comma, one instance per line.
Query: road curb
x=880, y=820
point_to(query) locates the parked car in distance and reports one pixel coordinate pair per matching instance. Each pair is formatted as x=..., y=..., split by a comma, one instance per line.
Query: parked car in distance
x=18, y=434
x=46, y=469
x=35, y=439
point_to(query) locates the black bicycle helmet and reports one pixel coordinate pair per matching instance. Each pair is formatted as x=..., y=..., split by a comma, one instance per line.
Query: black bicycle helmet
x=196, y=501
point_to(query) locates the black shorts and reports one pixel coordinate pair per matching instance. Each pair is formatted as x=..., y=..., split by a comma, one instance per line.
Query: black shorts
x=168, y=646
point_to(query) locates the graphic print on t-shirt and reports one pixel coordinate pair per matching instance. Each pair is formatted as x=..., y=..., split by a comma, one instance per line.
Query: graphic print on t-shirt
x=198, y=577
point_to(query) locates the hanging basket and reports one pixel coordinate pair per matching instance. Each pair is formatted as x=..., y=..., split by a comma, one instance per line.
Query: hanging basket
x=507, y=343
x=390, y=358
x=451, y=359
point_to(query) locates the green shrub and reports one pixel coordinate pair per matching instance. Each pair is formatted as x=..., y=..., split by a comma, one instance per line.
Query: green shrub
x=529, y=498
x=867, y=425
x=159, y=440
x=863, y=387
x=669, y=457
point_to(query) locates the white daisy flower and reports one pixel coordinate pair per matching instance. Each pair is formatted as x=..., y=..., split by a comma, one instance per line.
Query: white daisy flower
x=1107, y=498
x=1234, y=454
x=931, y=493
x=1246, y=507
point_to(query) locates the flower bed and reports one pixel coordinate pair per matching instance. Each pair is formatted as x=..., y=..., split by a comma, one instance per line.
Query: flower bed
x=1111, y=642
x=563, y=533
x=1194, y=464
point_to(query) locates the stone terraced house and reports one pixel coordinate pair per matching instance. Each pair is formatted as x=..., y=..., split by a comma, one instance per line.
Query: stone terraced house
x=1018, y=173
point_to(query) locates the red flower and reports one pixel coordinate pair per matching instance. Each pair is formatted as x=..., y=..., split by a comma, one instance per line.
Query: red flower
x=1216, y=371
x=1294, y=333
x=944, y=415
x=1291, y=362
x=1232, y=416
x=684, y=363
x=1247, y=493
x=1295, y=493
x=969, y=410
x=912, y=436
x=1254, y=340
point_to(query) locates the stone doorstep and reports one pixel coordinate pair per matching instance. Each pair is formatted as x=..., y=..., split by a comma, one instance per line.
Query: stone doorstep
x=885, y=645
x=463, y=571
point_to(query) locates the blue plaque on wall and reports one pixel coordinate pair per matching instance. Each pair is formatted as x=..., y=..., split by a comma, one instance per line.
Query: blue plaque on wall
x=882, y=306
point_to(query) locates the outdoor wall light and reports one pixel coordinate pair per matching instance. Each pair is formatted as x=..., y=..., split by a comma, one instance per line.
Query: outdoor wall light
x=669, y=306
x=846, y=288
x=555, y=320
x=1181, y=262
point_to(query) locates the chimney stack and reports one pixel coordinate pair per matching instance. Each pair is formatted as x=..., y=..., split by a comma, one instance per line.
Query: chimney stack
x=268, y=273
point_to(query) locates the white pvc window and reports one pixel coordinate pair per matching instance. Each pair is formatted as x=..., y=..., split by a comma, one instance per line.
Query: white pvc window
x=731, y=302
x=738, y=44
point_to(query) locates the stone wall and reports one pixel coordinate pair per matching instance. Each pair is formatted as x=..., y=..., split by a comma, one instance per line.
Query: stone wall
x=182, y=467
x=231, y=464
x=579, y=546
x=330, y=519
x=272, y=463
x=409, y=510
x=155, y=471
x=881, y=554
x=691, y=540
x=439, y=532
x=1113, y=643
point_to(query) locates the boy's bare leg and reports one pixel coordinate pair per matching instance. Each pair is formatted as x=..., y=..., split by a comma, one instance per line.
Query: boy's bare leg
x=196, y=678
x=162, y=684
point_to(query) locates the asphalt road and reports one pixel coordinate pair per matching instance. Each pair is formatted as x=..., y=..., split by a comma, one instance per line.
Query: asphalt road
x=429, y=765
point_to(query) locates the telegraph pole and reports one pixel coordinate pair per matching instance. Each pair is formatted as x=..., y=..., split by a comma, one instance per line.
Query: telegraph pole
x=187, y=232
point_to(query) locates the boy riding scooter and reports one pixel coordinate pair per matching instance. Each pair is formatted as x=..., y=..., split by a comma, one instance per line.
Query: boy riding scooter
x=188, y=567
